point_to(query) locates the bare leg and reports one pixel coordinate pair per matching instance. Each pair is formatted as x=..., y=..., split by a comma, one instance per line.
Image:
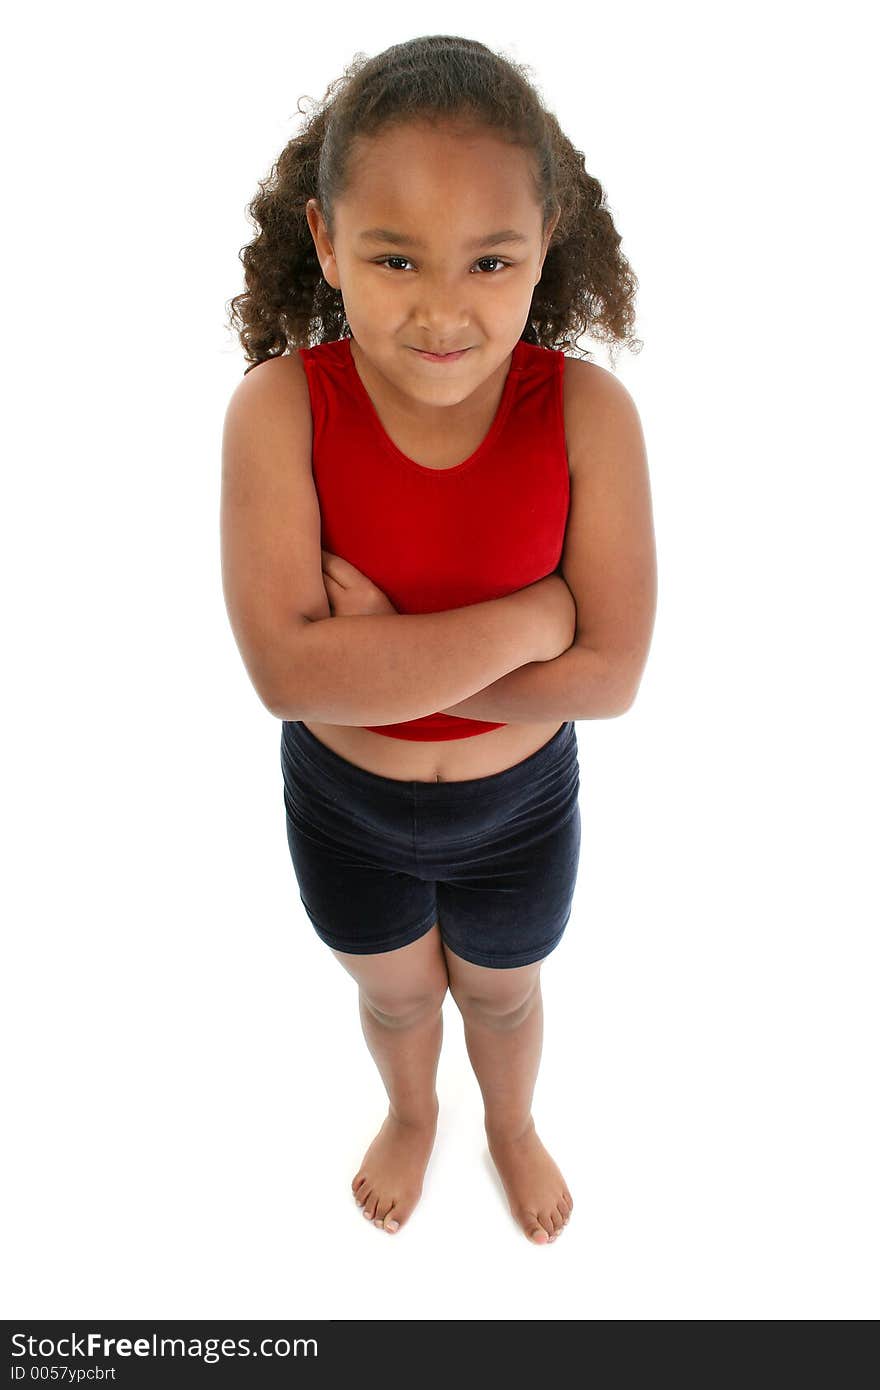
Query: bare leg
x=503, y=1019
x=401, y=997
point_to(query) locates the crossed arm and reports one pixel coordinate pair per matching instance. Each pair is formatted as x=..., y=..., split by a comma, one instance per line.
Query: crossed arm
x=608, y=562
x=579, y=684
x=366, y=668
x=495, y=660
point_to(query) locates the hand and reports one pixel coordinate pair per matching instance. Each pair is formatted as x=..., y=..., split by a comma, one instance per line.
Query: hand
x=349, y=592
x=556, y=615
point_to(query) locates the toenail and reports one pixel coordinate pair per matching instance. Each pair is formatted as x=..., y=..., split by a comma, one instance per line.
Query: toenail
x=393, y=1225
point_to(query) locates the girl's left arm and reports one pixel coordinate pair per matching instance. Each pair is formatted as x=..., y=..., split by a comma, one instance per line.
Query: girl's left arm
x=608, y=562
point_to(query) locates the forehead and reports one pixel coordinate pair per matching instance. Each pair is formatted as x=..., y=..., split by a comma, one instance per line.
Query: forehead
x=410, y=175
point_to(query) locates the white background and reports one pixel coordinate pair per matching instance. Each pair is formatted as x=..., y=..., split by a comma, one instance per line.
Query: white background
x=187, y=1087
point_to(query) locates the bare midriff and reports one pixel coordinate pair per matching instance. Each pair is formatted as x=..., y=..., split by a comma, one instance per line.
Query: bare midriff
x=450, y=760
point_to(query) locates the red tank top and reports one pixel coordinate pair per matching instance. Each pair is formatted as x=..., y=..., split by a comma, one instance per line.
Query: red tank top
x=440, y=538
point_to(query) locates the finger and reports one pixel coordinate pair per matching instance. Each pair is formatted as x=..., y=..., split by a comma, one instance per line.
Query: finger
x=331, y=568
x=342, y=571
x=328, y=560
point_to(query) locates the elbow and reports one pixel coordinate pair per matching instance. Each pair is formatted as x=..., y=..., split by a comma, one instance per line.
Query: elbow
x=285, y=703
x=628, y=690
x=623, y=706
x=278, y=703
x=279, y=709
x=281, y=685
x=613, y=689
x=617, y=705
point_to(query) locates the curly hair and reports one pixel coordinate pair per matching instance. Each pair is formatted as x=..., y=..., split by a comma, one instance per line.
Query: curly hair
x=586, y=283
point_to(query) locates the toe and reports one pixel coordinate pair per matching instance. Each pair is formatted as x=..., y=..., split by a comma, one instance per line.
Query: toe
x=563, y=1216
x=399, y=1213
x=383, y=1208
x=546, y=1221
x=356, y=1181
x=361, y=1191
x=370, y=1205
x=556, y=1218
x=534, y=1229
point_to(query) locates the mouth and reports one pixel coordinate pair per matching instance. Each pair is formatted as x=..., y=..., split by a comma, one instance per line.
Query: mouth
x=440, y=356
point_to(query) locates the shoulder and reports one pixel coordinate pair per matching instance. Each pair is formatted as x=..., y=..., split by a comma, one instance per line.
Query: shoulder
x=599, y=412
x=274, y=372
x=268, y=418
x=273, y=390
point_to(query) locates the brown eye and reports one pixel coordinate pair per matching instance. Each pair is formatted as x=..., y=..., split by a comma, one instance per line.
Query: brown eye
x=496, y=260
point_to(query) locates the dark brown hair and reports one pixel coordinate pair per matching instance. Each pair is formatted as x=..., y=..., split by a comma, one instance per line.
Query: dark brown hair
x=586, y=283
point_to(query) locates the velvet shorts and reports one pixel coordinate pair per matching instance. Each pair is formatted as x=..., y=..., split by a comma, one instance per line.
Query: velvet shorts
x=379, y=860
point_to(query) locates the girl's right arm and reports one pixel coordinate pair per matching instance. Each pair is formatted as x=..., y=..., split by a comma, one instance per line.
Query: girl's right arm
x=371, y=669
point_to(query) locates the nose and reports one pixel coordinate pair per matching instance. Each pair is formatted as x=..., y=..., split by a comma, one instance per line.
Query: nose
x=439, y=314
x=439, y=325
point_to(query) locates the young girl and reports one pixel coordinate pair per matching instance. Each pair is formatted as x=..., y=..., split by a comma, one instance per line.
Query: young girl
x=397, y=497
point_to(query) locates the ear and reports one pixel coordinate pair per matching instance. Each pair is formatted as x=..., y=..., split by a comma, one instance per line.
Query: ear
x=320, y=236
x=545, y=244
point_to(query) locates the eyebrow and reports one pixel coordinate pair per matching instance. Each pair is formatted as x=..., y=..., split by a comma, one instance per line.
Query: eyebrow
x=507, y=234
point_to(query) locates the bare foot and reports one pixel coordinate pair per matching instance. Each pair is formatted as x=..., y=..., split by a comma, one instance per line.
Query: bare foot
x=389, y=1181
x=536, y=1190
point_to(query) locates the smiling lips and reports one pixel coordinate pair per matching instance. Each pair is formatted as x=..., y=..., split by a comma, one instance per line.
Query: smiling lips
x=440, y=356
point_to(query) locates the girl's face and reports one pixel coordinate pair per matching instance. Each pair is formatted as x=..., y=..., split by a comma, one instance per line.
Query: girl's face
x=438, y=247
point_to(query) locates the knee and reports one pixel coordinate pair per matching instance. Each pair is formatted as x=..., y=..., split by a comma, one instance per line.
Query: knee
x=502, y=1009
x=404, y=1010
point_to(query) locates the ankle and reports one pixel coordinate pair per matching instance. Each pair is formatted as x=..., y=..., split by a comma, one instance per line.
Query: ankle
x=507, y=1129
x=416, y=1116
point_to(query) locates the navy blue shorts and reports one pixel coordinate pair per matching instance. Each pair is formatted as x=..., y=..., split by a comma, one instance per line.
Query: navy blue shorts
x=379, y=860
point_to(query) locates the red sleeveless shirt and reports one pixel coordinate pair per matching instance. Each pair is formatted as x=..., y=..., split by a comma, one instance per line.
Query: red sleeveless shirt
x=440, y=538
